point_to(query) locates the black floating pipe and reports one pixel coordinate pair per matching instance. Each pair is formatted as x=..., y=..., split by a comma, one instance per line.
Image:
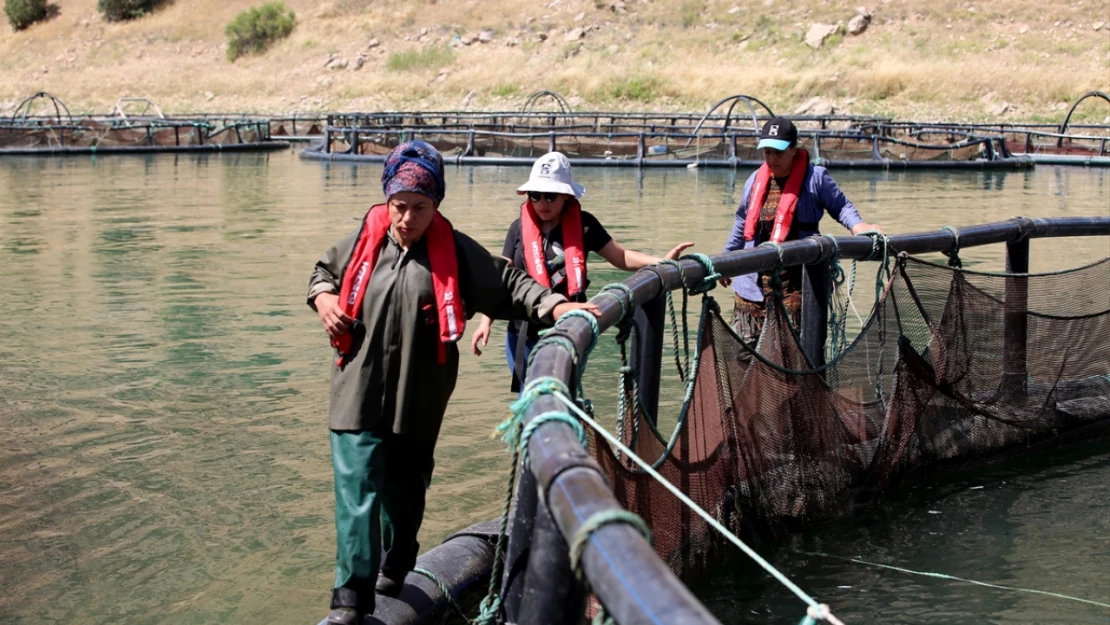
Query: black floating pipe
x=815, y=310
x=650, y=322
x=635, y=586
x=552, y=593
x=1015, y=320
x=462, y=563
x=519, y=545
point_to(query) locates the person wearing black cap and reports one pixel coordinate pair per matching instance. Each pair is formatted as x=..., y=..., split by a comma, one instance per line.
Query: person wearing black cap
x=782, y=201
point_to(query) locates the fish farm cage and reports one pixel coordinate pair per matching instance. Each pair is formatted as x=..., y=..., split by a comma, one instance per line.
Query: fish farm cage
x=58, y=132
x=952, y=367
x=725, y=136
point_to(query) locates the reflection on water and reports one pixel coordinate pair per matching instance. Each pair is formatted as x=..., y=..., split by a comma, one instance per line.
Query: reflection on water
x=164, y=388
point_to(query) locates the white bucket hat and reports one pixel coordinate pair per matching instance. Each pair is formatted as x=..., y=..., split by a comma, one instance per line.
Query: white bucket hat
x=551, y=174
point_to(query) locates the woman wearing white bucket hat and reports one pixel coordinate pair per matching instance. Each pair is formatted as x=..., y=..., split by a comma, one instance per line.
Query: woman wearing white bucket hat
x=551, y=240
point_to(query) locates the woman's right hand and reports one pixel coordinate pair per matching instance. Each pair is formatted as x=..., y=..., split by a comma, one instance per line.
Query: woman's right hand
x=480, y=336
x=331, y=314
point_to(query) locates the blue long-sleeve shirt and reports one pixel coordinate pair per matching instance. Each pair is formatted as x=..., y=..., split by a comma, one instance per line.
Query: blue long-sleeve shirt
x=819, y=194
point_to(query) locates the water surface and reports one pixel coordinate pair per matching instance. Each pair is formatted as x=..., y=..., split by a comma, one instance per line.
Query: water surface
x=163, y=390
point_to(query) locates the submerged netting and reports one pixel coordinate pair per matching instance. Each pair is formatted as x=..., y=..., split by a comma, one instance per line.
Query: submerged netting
x=937, y=377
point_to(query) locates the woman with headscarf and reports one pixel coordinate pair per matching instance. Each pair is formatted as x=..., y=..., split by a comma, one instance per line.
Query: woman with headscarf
x=551, y=240
x=393, y=296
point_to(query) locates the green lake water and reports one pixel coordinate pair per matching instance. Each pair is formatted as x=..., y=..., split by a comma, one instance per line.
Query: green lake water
x=163, y=389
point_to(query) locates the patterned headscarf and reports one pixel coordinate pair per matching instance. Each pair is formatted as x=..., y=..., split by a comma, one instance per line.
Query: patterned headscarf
x=414, y=166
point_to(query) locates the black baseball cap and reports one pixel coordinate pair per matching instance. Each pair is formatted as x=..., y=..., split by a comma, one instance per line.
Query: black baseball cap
x=778, y=134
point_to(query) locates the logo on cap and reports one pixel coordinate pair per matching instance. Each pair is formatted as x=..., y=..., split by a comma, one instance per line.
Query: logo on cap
x=545, y=168
x=774, y=132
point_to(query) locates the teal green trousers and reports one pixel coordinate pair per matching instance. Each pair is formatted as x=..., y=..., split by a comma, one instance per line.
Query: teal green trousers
x=380, y=485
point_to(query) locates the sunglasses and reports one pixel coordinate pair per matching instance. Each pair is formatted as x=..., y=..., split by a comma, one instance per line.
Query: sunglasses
x=536, y=196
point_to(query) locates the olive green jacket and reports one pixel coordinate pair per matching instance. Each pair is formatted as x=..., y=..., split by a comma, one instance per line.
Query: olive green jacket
x=394, y=375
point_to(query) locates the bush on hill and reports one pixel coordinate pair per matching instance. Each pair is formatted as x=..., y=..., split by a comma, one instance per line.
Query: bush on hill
x=23, y=13
x=122, y=10
x=256, y=28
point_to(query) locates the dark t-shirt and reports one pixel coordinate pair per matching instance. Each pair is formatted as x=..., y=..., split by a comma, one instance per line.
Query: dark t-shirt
x=594, y=237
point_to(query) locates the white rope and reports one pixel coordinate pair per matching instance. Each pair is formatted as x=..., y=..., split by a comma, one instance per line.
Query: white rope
x=961, y=579
x=816, y=610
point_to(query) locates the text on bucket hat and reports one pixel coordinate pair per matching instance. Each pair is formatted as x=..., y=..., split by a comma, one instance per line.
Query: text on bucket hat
x=778, y=134
x=416, y=167
x=551, y=173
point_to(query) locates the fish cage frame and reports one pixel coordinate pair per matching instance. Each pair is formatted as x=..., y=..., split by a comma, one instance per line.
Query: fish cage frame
x=562, y=486
x=642, y=148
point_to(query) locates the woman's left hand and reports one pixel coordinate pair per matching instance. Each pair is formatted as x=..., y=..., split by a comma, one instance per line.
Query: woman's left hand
x=677, y=251
x=865, y=227
x=565, y=307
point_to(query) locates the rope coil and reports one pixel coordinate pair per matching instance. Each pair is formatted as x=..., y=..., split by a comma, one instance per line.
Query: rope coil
x=953, y=254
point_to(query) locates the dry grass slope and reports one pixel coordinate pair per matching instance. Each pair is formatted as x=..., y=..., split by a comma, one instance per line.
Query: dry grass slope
x=946, y=59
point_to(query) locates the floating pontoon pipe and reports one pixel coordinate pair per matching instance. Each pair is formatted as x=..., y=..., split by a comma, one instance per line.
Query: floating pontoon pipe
x=462, y=563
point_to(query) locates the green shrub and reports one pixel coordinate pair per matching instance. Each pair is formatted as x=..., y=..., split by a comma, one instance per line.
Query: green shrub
x=424, y=58
x=639, y=88
x=23, y=13
x=122, y=10
x=256, y=28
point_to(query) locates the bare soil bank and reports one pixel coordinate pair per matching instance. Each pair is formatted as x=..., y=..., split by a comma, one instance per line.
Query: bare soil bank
x=1001, y=60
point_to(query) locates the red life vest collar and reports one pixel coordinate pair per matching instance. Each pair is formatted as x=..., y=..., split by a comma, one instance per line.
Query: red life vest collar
x=784, y=213
x=574, y=251
x=440, y=238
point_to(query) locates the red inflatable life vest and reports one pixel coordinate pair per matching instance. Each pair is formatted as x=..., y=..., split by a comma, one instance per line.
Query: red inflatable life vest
x=573, y=249
x=784, y=213
x=445, y=276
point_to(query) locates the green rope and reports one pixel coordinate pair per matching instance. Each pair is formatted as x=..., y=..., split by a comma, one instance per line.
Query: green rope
x=582, y=536
x=546, y=417
x=628, y=395
x=709, y=282
x=838, y=314
x=678, y=361
x=626, y=305
x=549, y=338
x=516, y=436
x=879, y=241
x=594, y=329
x=953, y=254
x=595, y=522
x=491, y=603
x=445, y=590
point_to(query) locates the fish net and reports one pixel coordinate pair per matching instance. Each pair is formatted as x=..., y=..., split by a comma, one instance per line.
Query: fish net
x=951, y=367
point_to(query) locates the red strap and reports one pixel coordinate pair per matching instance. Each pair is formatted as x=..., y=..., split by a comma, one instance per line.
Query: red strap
x=445, y=277
x=784, y=212
x=359, y=268
x=574, y=251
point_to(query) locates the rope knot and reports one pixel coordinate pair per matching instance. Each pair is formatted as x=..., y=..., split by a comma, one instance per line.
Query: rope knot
x=953, y=254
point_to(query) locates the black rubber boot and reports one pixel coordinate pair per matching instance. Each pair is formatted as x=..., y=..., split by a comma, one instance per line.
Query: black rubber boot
x=349, y=606
x=389, y=585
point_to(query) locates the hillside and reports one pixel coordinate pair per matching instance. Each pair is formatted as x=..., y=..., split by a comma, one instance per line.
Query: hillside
x=1013, y=60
